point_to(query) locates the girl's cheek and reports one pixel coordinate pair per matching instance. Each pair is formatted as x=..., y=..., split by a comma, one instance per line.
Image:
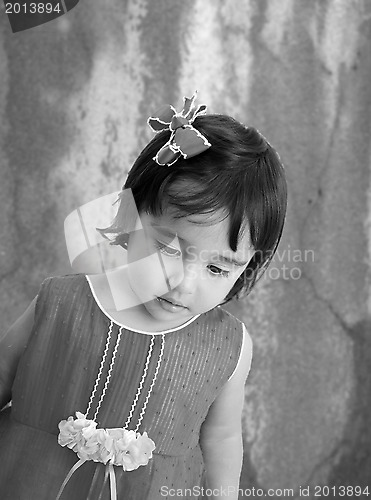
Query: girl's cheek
x=148, y=274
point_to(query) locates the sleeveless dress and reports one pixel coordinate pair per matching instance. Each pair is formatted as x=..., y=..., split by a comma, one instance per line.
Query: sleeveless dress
x=166, y=381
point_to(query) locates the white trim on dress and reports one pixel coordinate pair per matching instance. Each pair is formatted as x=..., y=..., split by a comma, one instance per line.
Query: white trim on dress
x=244, y=336
x=129, y=327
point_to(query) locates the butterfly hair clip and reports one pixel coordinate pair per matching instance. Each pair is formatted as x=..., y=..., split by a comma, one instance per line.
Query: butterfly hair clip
x=185, y=140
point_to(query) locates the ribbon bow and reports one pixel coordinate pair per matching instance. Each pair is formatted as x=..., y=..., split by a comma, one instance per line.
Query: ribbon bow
x=185, y=140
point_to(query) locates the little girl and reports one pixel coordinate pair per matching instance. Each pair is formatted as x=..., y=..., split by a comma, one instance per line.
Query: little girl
x=135, y=391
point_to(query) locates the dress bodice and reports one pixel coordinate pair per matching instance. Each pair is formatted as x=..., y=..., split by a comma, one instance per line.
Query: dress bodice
x=179, y=373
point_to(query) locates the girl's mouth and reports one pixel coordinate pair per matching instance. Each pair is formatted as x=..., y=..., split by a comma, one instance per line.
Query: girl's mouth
x=170, y=305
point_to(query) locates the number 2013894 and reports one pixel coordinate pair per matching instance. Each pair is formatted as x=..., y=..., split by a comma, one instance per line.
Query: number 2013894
x=341, y=491
x=32, y=8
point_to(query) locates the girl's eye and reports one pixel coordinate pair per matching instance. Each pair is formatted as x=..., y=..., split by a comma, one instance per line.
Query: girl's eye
x=168, y=251
x=218, y=272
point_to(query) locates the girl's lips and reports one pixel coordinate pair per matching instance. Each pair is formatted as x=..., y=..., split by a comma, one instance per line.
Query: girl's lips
x=172, y=302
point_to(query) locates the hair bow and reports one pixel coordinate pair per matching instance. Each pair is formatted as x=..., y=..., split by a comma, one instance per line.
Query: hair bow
x=185, y=140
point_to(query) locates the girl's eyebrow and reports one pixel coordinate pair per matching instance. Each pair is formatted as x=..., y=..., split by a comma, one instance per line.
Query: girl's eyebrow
x=162, y=229
x=232, y=260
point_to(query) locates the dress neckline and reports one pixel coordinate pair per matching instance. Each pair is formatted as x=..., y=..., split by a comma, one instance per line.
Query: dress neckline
x=96, y=300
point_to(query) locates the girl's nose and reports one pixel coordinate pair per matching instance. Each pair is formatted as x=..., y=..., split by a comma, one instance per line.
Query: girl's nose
x=183, y=277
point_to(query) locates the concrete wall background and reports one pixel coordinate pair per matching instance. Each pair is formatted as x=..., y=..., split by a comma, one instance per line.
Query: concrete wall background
x=74, y=98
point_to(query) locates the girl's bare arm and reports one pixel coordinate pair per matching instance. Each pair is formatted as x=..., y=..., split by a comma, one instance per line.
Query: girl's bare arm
x=221, y=435
x=12, y=344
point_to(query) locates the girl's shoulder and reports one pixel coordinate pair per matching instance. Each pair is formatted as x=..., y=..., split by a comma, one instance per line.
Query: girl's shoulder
x=222, y=327
x=62, y=283
x=58, y=290
x=64, y=280
x=235, y=338
x=224, y=318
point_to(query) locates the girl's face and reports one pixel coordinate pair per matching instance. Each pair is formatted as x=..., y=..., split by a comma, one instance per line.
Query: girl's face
x=179, y=268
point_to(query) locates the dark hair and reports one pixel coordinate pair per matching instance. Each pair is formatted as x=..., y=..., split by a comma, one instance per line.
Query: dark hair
x=240, y=173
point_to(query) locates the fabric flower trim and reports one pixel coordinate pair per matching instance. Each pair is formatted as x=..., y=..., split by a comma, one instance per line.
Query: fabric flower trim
x=117, y=446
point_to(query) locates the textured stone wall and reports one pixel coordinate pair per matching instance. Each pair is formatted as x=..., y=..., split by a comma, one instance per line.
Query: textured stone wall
x=74, y=98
